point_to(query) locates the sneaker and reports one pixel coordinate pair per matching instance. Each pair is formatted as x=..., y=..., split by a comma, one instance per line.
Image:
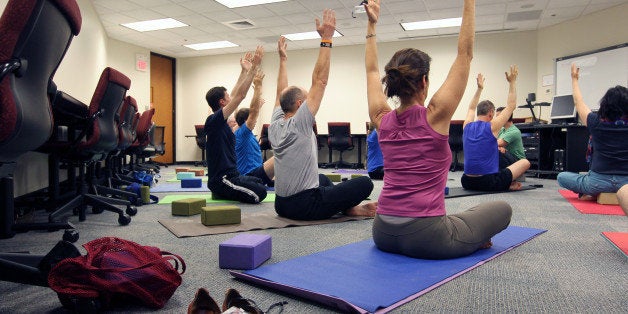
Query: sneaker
x=233, y=299
x=203, y=303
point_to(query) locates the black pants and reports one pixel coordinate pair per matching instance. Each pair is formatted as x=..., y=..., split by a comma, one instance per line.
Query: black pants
x=325, y=201
x=244, y=189
x=377, y=173
x=506, y=159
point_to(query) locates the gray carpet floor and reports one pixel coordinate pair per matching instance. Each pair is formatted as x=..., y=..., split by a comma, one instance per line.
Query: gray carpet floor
x=569, y=269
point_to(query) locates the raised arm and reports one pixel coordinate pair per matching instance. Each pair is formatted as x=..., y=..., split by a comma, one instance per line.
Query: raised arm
x=320, y=74
x=257, y=102
x=245, y=66
x=445, y=101
x=239, y=92
x=474, y=102
x=499, y=121
x=378, y=107
x=282, y=77
x=582, y=108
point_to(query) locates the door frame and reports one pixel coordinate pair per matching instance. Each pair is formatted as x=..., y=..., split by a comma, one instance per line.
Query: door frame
x=174, y=103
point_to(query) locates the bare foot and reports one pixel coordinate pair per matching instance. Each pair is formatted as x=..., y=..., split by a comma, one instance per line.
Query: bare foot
x=486, y=245
x=514, y=186
x=366, y=209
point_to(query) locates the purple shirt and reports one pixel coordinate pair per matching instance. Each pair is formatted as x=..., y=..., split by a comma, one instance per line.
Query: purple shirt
x=417, y=160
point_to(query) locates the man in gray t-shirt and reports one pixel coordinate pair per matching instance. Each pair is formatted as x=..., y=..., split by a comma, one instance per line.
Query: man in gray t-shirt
x=301, y=193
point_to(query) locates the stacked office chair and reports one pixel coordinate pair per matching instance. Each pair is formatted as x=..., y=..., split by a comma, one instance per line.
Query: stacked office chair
x=88, y=139
x=455, y=143
x=340, y=139
x=201, y=142
x=141, y=147
x=35, y=37
x=264, y=143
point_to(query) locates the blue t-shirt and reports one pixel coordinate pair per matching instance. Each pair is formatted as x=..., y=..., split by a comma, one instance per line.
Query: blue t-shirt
x=481, y=155
x=374, y=157
x=247, y=150
x=610, y=151
x=220, y=148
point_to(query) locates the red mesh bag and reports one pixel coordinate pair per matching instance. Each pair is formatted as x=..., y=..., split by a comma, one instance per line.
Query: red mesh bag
x=117, y=271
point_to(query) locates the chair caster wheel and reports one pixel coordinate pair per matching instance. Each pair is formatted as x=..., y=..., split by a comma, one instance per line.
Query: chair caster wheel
x=131, y=211
x=124, y=220
x=70, y=235
x=97, y=210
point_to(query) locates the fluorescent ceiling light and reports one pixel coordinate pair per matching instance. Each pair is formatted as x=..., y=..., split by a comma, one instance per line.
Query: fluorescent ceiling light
x=244, y=3
x=154, y=25
x=307, y=35
x=432, y=24
x=211, y=45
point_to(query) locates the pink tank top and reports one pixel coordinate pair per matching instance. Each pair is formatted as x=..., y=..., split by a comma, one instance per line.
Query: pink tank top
x=416, y=163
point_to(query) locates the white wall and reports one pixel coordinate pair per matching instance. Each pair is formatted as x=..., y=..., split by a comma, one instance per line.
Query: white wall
x=594, y=31
x=121, y=56
x=345, y=96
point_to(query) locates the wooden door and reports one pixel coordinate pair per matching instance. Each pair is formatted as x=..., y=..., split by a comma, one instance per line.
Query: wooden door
x=162, y=74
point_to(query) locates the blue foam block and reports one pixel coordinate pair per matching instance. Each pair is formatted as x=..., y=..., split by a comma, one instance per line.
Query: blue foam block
x=191, y=183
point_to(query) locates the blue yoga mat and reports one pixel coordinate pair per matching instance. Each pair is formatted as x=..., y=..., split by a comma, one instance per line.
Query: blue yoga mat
x=176, y=187
x=378, y=281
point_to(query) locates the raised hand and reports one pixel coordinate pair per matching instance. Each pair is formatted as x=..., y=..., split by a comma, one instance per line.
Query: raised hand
x=245, y=62
x=257, y=57
x=282, y=47
x=259, y=78
x=372, y=10
x=575, y=72
x=327, y=28
x=480, y=80
x=512, y=76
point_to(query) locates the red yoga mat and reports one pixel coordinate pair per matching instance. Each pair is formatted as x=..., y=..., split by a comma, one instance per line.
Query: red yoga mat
x=619, y=240
x=590, y=207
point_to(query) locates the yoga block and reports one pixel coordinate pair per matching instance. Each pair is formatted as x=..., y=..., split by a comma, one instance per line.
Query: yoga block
x=199, y=173
x=188, y=206
x=446, y=190
x=607, y=199
x=185, y=175
x=353, y=176
x=177, y=170
x=145, y=193
x=244, y=251
x=191, y=183
x=333, y=177
x=220, y=215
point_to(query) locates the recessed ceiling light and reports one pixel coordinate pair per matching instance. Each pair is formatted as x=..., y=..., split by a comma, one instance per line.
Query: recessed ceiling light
x=245, y=3
x=211, y=45
x=307, y=35
x=432, y=24
x=154, y=25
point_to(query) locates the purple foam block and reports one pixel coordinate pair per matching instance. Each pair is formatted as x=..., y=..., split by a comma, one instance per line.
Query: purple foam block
x=244, y=251
x=191, y=183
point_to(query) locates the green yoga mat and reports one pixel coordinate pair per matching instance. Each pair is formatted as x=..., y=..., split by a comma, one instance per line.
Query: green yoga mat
x=204, y=179
x=168, y=199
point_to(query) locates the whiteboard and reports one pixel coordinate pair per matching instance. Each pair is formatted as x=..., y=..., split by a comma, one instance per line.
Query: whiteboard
x=599, y=71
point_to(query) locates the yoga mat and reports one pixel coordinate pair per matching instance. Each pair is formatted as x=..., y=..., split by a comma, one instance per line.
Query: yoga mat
x=203, y=178
x=460, y=192
x=351, y=171
x=590, y=207
x=268, y=219
x=619, y=240
x=168, y=199
x=176, y=187
x=360, y=278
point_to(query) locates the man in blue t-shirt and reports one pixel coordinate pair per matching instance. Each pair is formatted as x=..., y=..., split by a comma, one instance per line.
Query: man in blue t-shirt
x=248, y=152
x=479, y=139
x=374, y=157
x=225, y=181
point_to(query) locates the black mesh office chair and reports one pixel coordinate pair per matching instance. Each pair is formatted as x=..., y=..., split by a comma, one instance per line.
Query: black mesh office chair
x=264, y=143
x=340, y=139
x=455, y=143
x=201, y=141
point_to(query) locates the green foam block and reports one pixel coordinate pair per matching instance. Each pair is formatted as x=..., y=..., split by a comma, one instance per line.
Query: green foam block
x=220, y=215
x=145, y=192
x=334, y=177
x=188, y=206
x=353, y=176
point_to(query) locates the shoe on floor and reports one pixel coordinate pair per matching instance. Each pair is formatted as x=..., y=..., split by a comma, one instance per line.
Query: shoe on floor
x=203, y=303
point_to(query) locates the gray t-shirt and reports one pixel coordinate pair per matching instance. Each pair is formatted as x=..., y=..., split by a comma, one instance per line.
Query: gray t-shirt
x=295, y=151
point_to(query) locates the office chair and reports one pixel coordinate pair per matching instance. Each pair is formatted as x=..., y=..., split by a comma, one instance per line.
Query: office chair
x=264, y=143
x=35, y=38
x=90, y=141
x=455, y=143
x=340, y=139
x=201, y=141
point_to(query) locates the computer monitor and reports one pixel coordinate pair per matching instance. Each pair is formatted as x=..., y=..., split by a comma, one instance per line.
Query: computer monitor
x=563, y=110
